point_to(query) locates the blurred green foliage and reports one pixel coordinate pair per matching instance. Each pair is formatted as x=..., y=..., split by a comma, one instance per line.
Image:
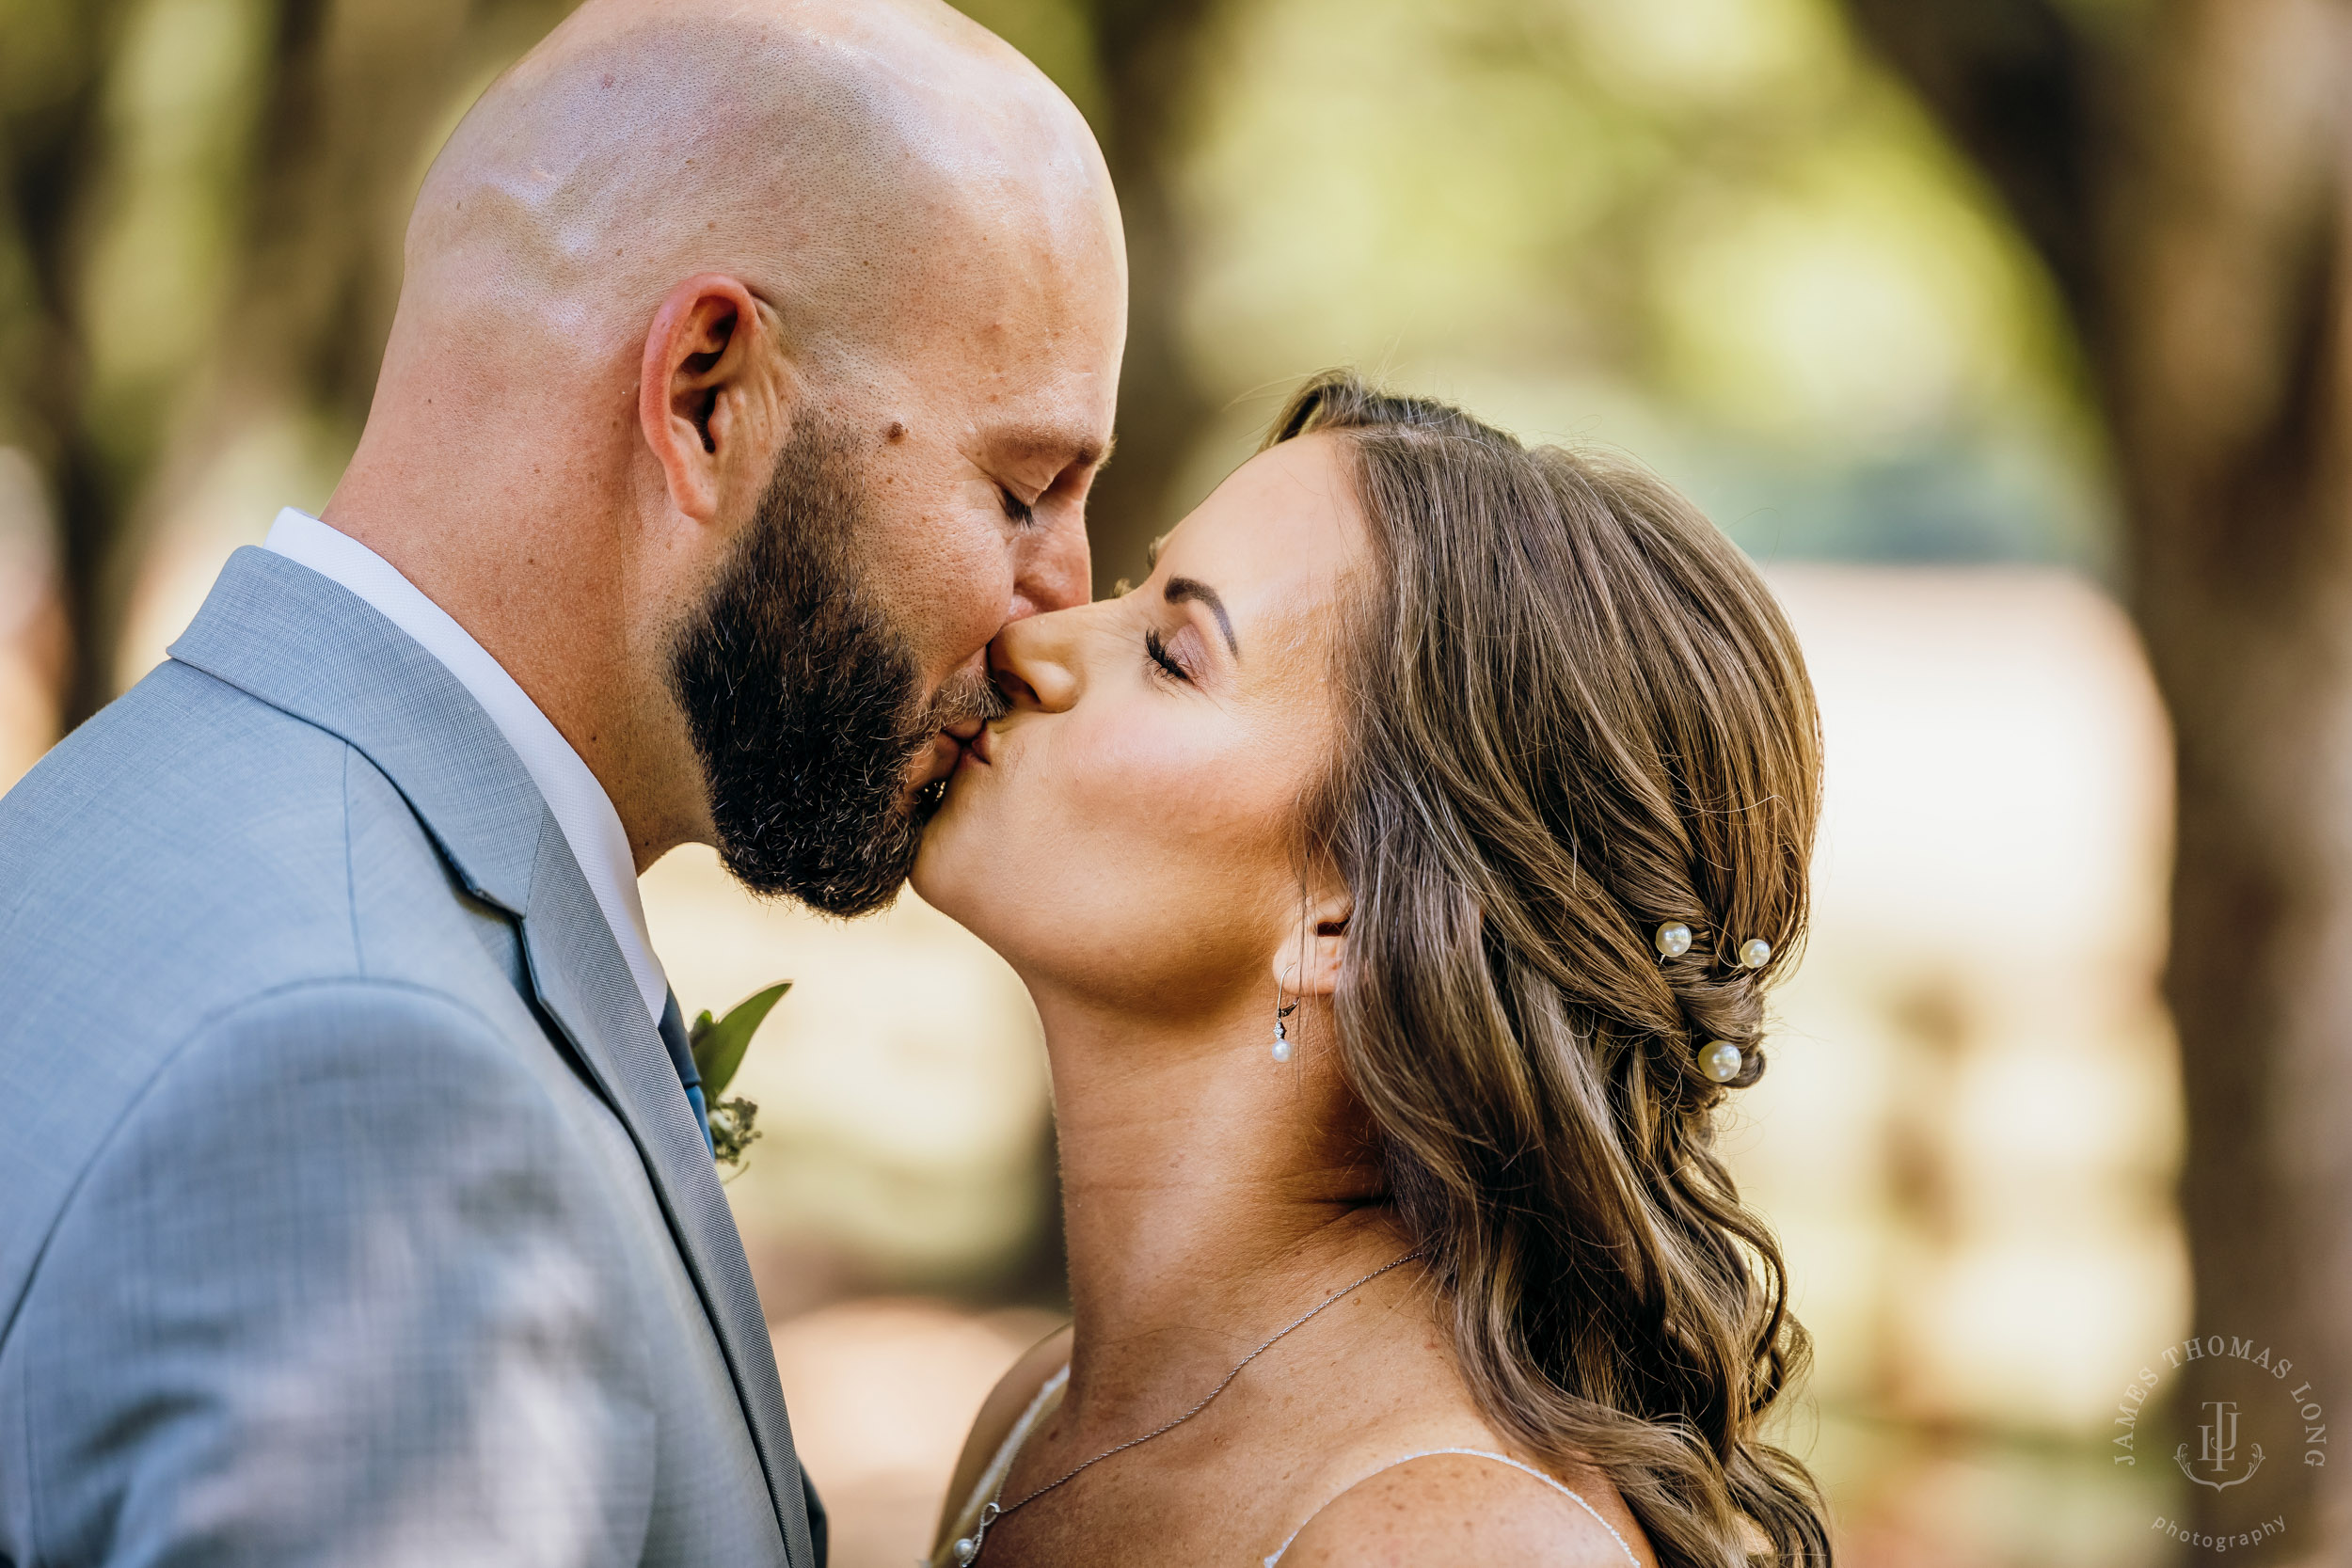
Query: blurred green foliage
x=1709, y=231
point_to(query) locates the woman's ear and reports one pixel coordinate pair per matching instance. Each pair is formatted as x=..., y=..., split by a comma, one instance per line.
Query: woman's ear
x=1308, y=962
x=710, y=393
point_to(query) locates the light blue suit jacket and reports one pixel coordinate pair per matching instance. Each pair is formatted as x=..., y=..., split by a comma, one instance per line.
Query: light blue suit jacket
x=350, y=1208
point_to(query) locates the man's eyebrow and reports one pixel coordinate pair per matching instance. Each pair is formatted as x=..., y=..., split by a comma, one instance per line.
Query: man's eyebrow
x=1180, y=589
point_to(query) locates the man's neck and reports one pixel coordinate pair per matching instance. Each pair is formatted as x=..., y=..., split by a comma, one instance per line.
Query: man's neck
x=551, y=600
x=1206, y=1199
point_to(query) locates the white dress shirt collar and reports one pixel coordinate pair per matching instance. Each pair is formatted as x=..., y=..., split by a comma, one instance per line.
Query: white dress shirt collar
x=581, y=808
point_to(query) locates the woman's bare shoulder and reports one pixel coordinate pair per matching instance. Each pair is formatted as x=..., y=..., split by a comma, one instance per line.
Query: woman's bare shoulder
x=1458, y=1511
x=1006, y=1401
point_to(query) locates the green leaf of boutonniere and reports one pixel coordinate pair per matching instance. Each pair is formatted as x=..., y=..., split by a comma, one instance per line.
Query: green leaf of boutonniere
x=717, y=1049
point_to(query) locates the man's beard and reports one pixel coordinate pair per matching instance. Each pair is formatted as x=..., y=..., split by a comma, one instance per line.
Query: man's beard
x=805, y=703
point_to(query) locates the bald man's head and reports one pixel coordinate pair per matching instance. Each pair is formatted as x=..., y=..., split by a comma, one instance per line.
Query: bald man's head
x=717, y=308
x=845, y=160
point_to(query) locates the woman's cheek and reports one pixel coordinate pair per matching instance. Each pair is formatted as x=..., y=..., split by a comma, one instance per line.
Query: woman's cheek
x=1183, y=780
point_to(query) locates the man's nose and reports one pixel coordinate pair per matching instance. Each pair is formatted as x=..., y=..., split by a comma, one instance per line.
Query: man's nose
x=1055, y=571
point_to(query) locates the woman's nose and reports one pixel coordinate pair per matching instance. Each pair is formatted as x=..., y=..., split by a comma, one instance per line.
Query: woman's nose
x=1036, y=659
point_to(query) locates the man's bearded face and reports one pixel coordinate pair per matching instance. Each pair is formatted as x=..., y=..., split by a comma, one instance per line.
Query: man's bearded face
x=805, y=703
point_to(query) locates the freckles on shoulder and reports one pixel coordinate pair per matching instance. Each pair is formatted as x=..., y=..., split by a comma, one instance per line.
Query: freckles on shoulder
x=1452, y=1510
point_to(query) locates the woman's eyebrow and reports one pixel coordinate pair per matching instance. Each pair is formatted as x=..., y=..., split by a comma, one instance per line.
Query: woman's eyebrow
x=1180, y=589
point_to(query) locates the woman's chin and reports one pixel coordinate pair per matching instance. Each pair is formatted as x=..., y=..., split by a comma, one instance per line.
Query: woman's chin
x=959, y=868
x=942, y=865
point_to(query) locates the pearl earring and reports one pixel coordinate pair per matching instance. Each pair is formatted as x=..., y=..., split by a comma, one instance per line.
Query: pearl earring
x=1754, y=953
x=1720, y=1061
x=1281, y=1034
x=1671, y=939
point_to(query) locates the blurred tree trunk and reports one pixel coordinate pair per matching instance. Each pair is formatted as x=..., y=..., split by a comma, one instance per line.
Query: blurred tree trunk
x=54, y=67
x=355, y=90
x=359, y=93
x=1145, y=52
x=2186, y=182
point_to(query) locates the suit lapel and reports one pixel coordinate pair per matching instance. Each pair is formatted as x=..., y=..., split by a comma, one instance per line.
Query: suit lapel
x=310, y=647
x=585, y=984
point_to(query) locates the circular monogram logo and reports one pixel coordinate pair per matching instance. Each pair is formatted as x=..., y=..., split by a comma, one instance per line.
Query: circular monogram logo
x=2251, y=1411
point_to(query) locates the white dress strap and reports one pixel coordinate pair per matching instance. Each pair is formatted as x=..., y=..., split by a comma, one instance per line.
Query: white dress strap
x=1468, y=1454
x=991, y=1480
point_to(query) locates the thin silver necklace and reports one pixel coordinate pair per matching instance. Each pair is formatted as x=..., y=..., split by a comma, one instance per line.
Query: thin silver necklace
x=968, y=1548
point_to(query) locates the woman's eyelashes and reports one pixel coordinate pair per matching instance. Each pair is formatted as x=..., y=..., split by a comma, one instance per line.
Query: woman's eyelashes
x=1168, y=666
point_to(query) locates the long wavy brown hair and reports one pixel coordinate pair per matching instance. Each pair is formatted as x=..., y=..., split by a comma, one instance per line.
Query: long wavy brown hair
x=1573, y=714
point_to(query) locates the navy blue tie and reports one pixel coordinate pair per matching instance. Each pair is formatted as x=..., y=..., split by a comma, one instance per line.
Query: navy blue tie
x=682, y=1058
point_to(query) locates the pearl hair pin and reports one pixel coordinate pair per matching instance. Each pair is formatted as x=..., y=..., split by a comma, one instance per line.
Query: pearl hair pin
x=1720, y=1060
x=1671, y=939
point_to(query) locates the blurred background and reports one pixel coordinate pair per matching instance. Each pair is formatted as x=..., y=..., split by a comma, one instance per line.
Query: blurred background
x=2008, y=334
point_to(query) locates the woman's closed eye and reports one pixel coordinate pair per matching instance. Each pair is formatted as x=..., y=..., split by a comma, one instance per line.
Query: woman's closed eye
x=1168, y=666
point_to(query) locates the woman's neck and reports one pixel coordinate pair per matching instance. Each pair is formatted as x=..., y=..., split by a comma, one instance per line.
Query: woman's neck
x=1211, y=1195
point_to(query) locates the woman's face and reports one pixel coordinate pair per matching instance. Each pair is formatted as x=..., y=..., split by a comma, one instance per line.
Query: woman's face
x=1127, y=833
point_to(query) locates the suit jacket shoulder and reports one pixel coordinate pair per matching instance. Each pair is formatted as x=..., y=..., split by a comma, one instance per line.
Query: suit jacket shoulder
x=301, y=973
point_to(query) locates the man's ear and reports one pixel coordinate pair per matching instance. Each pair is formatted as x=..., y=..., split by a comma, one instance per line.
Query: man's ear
x=710, y=393
x=1308, y=962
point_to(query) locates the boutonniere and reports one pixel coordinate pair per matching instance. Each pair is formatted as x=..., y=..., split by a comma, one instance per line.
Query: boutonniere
x=718, y=1048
